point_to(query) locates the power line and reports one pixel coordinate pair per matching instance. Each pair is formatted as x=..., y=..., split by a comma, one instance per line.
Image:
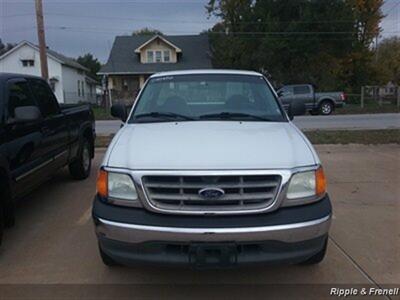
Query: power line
x=223, y=33
x=186, y=21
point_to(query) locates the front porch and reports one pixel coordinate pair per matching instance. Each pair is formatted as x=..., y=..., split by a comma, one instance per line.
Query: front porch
x=124, y=88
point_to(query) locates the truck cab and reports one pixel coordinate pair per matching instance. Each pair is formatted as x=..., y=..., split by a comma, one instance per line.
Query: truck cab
x=38, y=136
x=315, y=103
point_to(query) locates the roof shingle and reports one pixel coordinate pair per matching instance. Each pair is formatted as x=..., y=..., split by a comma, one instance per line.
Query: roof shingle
x=123, y=59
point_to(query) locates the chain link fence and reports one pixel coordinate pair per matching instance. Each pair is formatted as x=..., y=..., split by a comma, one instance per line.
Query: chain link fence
x=380, y=95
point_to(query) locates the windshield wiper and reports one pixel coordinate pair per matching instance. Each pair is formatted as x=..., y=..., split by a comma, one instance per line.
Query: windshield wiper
x=162, y=115
x=230, y=115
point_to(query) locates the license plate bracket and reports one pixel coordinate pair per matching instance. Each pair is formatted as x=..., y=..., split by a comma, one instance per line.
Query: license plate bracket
x=203, y=255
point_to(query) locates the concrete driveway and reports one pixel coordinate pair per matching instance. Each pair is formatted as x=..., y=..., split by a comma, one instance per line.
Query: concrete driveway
x=54, y=242
x=354, y=122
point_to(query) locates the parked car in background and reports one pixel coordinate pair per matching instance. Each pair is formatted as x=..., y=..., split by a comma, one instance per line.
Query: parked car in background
x=316, y=103
x=208, y=170
x=38, y=136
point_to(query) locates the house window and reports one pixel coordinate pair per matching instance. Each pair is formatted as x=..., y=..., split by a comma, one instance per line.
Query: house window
x=28, y=62
x=158, y=56
x=79, y=88
x=150, y=56
x=83, y=88
x=166, y=56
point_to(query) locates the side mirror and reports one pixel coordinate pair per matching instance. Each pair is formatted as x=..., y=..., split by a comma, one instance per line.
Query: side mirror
x=296, y=109
x=24, y=114
x=119, y=111
x=280, y=93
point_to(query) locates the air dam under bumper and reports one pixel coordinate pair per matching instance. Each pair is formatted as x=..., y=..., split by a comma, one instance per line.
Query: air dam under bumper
x=289, y=235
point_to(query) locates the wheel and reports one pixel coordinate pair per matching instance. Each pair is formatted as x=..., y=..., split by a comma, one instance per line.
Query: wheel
x=326, y=108
x=80, y=168
x=9, y=214
x=317, y=258
x=8, y=210
x=1, y=223
x=108, y=261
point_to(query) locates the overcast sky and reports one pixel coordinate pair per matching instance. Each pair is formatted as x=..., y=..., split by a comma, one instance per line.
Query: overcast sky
x=77, y=27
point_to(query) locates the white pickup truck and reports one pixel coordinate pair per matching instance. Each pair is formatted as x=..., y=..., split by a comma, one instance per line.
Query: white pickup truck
x=209, y=171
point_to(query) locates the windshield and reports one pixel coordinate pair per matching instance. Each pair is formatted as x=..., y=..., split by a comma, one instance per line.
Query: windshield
x=207, y=97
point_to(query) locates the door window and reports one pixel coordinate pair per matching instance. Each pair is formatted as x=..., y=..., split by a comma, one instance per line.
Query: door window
x=19, y=95
x=44, y=96
x=301, y=89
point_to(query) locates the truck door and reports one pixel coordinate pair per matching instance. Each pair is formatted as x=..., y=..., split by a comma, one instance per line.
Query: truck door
x=303, y=93
x=55, y=126
x=23, y=140
x=286, y=96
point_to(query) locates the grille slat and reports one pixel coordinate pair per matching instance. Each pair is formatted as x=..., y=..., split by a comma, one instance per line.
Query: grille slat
x=221, y=186
x=181, y=193
x=238, y=197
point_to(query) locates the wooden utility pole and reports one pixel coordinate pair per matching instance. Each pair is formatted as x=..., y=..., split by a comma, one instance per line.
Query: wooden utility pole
x=42, y=39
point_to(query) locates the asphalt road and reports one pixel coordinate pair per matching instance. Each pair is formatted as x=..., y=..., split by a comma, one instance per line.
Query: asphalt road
x=53, y=242
x=340, y=122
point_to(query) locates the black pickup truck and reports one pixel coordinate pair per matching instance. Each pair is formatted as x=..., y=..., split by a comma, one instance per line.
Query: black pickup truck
x=38, y=136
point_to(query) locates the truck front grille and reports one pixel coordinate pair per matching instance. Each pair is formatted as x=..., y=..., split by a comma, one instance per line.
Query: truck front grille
x=181, y=193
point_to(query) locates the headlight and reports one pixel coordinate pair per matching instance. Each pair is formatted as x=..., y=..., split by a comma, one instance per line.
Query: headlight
x=301, y=185
x=307, y=184
x=116, y=186
x=120, y=186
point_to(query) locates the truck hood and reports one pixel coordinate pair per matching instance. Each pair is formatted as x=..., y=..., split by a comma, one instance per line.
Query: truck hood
x=209, y=145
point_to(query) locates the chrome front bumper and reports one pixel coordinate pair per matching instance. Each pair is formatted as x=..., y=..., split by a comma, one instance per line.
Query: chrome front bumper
x=289, y=233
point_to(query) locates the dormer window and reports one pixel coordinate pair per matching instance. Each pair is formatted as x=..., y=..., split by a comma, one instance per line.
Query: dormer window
x=150, y=56
x=167, y=57
x=28, y=62
x=158, y=56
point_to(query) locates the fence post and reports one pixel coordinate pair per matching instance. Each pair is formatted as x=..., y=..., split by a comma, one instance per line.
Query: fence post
x=362, y=97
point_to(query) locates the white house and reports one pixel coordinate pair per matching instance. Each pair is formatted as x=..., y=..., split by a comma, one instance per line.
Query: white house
x=67, y=77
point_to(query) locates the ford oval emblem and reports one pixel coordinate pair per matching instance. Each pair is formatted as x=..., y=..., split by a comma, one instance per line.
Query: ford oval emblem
x=211, y=193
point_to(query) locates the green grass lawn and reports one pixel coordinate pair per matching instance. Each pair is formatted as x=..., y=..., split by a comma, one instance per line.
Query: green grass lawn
x=366, y=137
x=369, y=108
x=101, y=113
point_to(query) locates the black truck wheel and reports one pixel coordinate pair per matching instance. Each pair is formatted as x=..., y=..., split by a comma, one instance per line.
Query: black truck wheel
x=326, y=108
x=8, y=205
x=80, y=168
x=317, y=258
x=1, y=223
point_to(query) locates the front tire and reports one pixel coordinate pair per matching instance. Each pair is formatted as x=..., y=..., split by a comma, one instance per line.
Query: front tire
x=80, y=168
x=107, y=260
x=326, y=108
x=8, y=206
x=317, y=258
x=1, y=223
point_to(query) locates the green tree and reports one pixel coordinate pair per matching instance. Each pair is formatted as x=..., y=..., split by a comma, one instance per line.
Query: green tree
x=5, y=47
x=357, y=67
x=387, y=63
x=147, y=31
x=90, y=62
x=326, y=43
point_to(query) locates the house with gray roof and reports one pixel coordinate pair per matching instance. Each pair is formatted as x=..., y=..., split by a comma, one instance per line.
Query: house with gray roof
x=68, y=79
x=134, y=58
